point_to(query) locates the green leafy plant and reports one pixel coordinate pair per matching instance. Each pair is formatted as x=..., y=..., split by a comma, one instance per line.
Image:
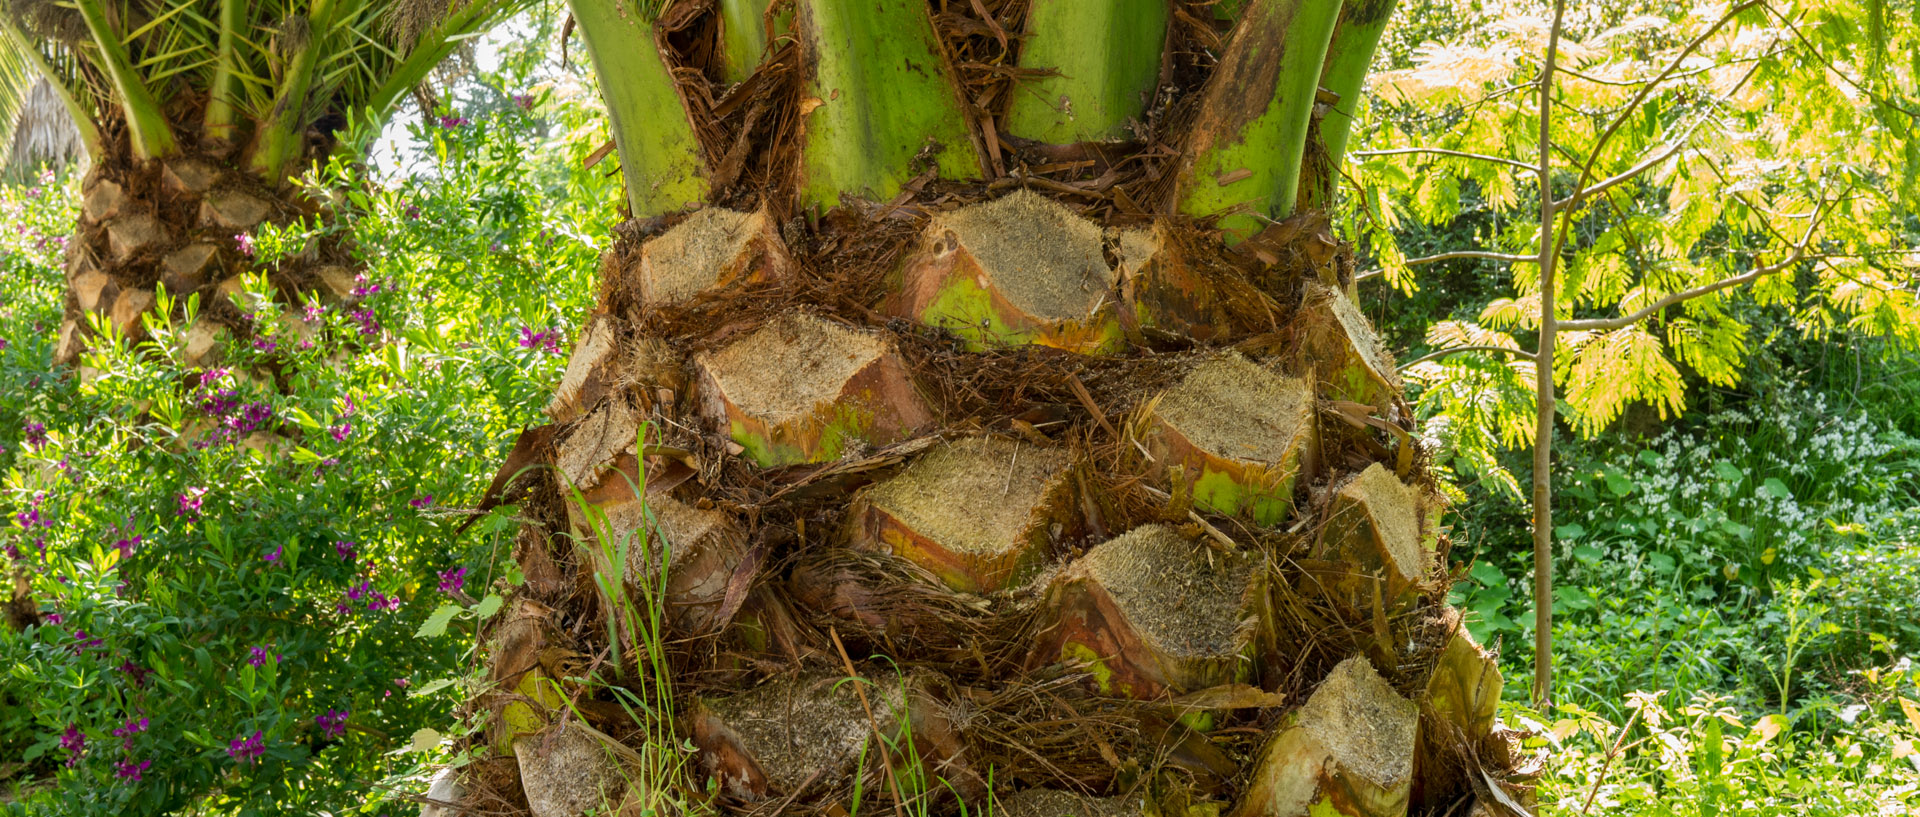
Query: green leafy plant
x=248, y=592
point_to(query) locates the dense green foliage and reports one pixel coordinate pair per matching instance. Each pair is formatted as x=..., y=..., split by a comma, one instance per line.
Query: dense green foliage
x=232, y=574
x=1736, y=510
x=1740, y=596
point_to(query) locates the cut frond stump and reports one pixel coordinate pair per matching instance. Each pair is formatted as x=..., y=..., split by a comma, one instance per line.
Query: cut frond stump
x=980, y=512
x=1459, y=721
x=188, y=177
x=712, y=249
x=232, y=210
x=134, y=233
x=1374, y=529
x=571, y=770
x=1339, y=345
x=1234, y=433
x=1165, y=290
x=810, y=735
x=128, y=306
x=1150, y=613
x=525, y=645
x=591, y=444
x=602, y=364
x=590, y=371
x=802, y=389
x=186, y=269
x=1057, y=803
x=1016, y=271
x=1465, y=687
x=1348, y=751
x=702, y=549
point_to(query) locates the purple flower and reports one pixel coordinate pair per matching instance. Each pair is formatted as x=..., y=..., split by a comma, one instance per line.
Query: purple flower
x=421, y=502
x=245, y=749
x=452, y=580
x=369, y=325
x=139, y=675
x=359, y=591
x=245, y=243
x=55, y=618
x=546, y=340
x=345, y=549
x=127, y=546
x=333, y=724
x=190, y=503
x=252, y=417
x=260, y=656
x=74, y=743
x=129, y=770
x=525, y=101
x=31, y=518
x=36, y=435
x=264, y=345
x=132, y=727
x=341, y=432
x=312, y=312
x=273, y=556
x=382, y=602
x=83, y=642
x=451, y=122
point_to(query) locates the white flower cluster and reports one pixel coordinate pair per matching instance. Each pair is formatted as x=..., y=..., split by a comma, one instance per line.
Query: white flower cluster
x=1765, y=483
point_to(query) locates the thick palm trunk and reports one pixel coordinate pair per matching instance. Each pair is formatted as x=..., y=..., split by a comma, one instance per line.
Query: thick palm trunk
x=1086, y=499
x=180, y=225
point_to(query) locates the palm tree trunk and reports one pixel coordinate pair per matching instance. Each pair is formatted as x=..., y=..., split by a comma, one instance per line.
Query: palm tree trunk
x=181, y=226
x=1061, y=479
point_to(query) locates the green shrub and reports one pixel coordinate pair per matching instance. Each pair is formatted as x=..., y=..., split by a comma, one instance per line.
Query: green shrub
x=233, y=570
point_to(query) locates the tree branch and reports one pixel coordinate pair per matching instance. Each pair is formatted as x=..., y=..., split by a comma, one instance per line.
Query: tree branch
x=1476, y=254
x=1444, y=152
x=1633, y=105
x=1440, y=353
x=1799, y=254
x=1623, y=176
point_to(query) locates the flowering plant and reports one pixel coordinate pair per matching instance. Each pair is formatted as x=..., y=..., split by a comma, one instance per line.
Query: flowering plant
x=230, y=562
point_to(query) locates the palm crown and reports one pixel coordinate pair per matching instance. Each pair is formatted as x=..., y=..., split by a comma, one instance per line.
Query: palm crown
x=270, y=79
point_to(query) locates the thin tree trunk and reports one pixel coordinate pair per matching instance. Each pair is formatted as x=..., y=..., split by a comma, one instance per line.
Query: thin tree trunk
x=1543, y=371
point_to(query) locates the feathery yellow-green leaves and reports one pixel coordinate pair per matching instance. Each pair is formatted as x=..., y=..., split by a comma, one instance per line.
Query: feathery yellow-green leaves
x=1777, y=135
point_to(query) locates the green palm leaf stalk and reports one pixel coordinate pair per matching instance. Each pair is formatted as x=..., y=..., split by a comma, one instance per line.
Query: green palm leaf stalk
x=969, y=348
x=197, y=114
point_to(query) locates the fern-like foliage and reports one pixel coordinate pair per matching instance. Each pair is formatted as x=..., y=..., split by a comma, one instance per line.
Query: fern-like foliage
x=1728, y=156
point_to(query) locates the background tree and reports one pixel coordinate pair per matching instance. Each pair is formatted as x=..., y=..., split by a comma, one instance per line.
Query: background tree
x=43, y=133
x=1686, y=194
x=198, y=113
x=997, y=357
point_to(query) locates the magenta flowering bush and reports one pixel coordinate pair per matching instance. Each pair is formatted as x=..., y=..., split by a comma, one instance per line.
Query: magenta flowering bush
x=231, y=564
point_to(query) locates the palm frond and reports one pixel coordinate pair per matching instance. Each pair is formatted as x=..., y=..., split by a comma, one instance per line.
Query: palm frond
x=43, y=133
x=45, y=100
x=16, y=84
